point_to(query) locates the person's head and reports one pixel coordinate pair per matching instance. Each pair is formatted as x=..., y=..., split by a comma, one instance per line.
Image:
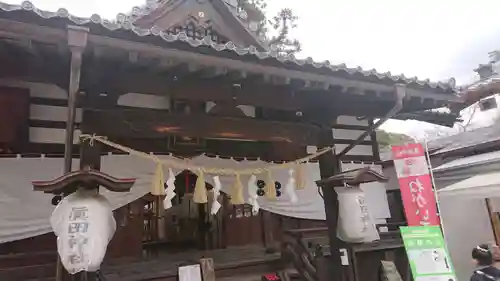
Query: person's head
x=482, y=255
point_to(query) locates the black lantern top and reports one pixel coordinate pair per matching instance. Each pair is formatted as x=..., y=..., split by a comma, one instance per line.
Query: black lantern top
x=353, y=177
x=86, y=178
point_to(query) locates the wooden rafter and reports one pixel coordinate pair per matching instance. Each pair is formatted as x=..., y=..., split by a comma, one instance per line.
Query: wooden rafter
x=140, y=123
x=54, y=35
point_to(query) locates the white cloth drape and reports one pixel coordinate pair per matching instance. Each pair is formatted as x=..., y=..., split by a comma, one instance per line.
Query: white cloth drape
x=25, y=213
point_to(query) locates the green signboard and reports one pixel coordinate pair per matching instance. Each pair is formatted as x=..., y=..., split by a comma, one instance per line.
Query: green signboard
x=427, y=253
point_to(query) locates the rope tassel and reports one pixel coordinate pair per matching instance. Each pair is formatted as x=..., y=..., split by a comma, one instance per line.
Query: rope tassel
x=237, y=192
x=270, y=187
x=158, y=183
x=200, y=190
x=298, y=173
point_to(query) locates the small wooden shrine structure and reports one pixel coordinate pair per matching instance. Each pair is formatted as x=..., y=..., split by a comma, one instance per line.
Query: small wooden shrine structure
x=212, y=85
x=309, y=249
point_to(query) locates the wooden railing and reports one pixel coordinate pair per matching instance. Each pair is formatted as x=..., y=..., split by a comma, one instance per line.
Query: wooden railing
x=308, y=249
x=305, y=250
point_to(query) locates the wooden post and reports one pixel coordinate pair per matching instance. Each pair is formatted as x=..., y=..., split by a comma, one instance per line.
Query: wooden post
x=495, y=220
x=77, y=40
x=329, y=165
x=268, y=229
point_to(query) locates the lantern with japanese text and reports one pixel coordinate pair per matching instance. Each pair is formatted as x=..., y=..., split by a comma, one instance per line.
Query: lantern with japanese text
x=355, y=224
x=83, y=220
x=354, y=221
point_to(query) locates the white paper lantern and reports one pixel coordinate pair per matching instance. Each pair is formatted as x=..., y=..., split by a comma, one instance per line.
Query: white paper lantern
x=84, y=224
x=355, y=223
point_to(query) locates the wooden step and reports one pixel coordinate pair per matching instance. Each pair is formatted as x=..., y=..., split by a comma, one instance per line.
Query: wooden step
x=36, y=272
x=253, y=269
x=26, y=259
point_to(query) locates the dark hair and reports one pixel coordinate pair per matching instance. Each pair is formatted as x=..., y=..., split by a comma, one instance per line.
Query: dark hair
x=482, y=255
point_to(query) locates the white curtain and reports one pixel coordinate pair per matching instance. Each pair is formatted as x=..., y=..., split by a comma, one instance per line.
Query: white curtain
x=25, y=213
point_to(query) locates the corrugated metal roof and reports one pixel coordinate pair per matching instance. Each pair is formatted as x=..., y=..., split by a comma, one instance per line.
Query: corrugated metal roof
x=480, y=159
x=123, y=22
x=465, y=139
x=458, y=141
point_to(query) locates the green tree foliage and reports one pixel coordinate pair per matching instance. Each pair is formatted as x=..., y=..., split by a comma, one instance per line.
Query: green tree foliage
x=386, y=139
x=275, y=29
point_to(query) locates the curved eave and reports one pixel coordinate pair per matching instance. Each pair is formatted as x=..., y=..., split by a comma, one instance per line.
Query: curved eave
x=437, y=118
x=481, y=89
x=123, y=34
x=84, y=177
x=353, y=177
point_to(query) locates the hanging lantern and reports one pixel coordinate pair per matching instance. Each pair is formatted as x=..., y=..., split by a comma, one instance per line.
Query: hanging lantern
x=355, y=223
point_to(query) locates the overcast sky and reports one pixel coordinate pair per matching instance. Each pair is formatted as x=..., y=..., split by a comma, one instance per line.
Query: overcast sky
x=435, y=39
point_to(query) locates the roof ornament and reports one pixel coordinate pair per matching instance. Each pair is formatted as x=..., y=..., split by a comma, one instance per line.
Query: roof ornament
x=452, y=82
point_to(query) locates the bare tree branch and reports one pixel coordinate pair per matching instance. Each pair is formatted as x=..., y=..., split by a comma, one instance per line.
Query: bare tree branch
x=281, y=24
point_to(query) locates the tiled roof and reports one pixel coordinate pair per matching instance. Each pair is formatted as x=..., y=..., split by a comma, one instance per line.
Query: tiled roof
x=483, y=83
x=458, y=141
x=145, y=9
x=123, y=22
x=465, y=139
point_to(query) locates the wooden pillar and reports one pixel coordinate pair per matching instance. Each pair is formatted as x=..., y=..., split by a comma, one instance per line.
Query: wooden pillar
x=267, y=221
x=77, y=41
x=329, y=165
x=90, y=153
x=495, y=220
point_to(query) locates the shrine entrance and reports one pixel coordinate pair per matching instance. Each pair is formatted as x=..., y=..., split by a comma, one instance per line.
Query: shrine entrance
x=191, y=226
x=184, y=227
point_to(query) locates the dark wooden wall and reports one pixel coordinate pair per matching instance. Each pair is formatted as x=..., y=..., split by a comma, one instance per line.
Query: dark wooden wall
x=14, y=116
x=242, y=227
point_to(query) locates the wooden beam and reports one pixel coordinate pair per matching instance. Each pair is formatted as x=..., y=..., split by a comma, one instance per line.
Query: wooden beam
x=251, y=67
x=14, y=29
x=144, y=123
x=77, y=41
x=180, y=82
x=199, y=89
x=50, y=70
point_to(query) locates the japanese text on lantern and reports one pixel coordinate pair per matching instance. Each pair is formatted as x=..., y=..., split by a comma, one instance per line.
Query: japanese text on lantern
x=77, y=235
x=416, y=185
